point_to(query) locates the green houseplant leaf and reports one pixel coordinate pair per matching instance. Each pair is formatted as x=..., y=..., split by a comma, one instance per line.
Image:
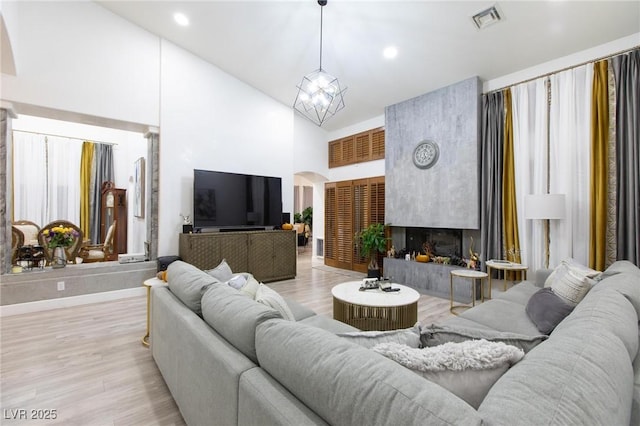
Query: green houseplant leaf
x=371, y=240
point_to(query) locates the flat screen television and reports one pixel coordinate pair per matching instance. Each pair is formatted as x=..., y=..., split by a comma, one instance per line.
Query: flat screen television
x=232, y=200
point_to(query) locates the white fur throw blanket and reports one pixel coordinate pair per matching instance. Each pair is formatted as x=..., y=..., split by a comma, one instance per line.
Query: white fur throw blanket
x=470, y=354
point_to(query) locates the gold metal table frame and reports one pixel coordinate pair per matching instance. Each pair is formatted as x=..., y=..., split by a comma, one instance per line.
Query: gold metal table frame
x=473, y=275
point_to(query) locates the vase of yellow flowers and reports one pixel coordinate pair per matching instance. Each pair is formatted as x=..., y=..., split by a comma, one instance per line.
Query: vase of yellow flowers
x=58, y=238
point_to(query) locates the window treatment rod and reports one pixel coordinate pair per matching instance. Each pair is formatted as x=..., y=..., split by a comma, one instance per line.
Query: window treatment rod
x=622, y=52
x=67, y=137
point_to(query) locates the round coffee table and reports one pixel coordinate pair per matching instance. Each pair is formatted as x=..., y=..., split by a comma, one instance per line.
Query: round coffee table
x=375, y=309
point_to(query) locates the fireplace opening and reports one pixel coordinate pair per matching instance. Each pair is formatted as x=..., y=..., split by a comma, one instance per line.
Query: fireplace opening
x=445, y=242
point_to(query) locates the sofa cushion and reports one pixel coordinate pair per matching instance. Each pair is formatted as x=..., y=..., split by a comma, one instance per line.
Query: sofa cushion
x=235, y=317
x=328, y=324
x=575, y=378
x=264, y=401
x=502, y=315
x=353, y=385
x=222, y=272
x=468, y=369
x=519, y=293
x=625, y=283
x=435, y=335
x=546, y=310
x=299, y=310
x=606, y=310
x=621, y=266
x=369, y=339
x=188, y=283
x=269, y=297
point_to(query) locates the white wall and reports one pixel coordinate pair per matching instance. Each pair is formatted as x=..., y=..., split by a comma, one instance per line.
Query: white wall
x=212, y=121
x=79, y=57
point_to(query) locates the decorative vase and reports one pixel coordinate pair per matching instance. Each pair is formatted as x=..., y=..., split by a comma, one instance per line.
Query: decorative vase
x=59, y=259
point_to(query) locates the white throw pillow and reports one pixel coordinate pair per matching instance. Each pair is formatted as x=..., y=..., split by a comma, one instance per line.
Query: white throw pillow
x=237, y=281
x=572, y=281
x=251, y=287
x=271, y=298
x=467, y=369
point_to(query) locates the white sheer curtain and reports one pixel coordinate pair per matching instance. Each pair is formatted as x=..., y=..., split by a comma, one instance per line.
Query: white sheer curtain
x=570, y=146
x=64, y=179
x=530, y=155
x=29, y=178
x=46, y=178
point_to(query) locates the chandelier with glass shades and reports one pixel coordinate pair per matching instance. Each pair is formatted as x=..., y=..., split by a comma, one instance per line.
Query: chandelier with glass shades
x=319, y=94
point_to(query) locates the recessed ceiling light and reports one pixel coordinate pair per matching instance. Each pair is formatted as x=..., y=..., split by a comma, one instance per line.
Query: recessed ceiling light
x=181, y=19
x=390, y=52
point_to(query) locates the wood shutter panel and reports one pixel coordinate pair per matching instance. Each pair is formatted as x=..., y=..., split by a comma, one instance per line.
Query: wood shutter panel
x=358, y=148
x=351, y=206
x=330, y=252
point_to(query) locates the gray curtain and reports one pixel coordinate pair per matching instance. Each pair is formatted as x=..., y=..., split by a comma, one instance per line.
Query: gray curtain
x=491, y=176
x=627, y=75
x=103, y=172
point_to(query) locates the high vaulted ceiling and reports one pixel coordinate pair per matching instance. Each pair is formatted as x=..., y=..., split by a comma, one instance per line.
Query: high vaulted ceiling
x=270, y=45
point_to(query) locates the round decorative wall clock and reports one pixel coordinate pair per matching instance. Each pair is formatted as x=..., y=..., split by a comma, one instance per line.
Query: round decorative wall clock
x=426, y=154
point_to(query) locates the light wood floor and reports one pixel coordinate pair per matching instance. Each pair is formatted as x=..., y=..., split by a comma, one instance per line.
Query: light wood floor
x=87, y=362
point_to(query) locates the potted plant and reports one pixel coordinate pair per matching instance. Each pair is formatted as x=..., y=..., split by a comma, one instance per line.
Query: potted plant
x=372, y=241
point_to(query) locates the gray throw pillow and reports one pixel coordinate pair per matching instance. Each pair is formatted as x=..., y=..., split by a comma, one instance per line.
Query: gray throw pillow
x=467, y=369
x=222, y=272
x=546, y=309
x=369, y=339
x=435, y=335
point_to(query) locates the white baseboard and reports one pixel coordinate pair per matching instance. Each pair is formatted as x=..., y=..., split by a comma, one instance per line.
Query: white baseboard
x=65, y=302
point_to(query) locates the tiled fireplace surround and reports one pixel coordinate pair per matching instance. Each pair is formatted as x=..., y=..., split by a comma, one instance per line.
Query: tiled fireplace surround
x=443, y=197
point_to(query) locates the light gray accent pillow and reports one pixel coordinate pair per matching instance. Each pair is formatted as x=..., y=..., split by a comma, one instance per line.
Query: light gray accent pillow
x=251, y=287
x=222, y=272
x=547, y=310
x=188, y=284
x=435, y=335
x=369, y=339
x=269, y=297
x=467, y=369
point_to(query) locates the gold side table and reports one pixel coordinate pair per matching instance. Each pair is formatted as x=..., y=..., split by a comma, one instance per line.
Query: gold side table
x=504, y=266
x=151, y=282
x=473, y=275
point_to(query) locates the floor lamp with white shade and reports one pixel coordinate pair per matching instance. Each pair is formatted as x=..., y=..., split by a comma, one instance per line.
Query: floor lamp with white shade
x=545, y=207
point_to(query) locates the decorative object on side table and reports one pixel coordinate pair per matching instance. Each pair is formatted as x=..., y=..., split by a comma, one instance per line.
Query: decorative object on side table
x=58, y=238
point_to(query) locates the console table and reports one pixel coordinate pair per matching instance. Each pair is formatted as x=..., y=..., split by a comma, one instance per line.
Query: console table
x=375, y=309
x=268, y=255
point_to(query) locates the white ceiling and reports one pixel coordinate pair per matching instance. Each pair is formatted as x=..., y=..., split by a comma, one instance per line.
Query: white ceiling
x=270, y=45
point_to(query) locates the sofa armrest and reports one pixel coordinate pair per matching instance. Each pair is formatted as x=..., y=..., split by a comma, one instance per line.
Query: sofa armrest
x=541, y=276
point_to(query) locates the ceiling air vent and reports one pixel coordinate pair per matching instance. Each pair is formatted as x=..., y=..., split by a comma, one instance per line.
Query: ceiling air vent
x=487, y=17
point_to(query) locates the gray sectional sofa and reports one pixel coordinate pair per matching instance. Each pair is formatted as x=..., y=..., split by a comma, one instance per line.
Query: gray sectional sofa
x=229, y=360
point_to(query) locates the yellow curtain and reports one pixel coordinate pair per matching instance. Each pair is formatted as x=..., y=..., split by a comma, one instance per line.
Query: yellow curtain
x=509, y=211
x=86, y=162
x=599, y=152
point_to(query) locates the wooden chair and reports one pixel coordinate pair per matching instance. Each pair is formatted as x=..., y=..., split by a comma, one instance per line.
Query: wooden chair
x=99, y=252
x=29, y=232
x=71, y=251
x=17, y=241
